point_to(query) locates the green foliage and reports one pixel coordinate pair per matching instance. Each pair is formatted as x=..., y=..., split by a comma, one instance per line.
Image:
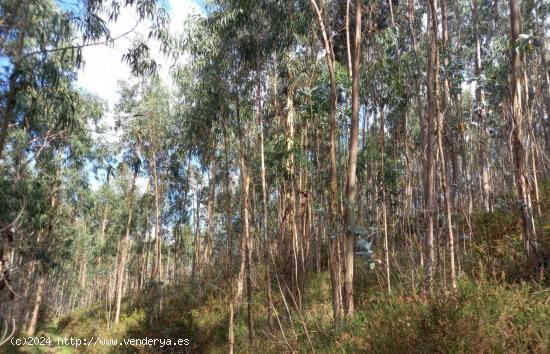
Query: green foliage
x=480, y=318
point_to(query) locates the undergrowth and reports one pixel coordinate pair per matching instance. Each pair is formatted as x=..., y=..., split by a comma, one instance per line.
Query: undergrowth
x=500, y=306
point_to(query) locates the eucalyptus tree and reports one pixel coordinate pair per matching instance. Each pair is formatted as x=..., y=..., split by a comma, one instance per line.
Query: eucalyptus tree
x=36, y=33
x=154, y=119
x=517, y=112
x=335, y=263
x=231, y=52
x=145, y=117
x=123, y=249
x=271, y=95
x=42, y=43
x=46, y=172
x=351, y=185
x=481, y=109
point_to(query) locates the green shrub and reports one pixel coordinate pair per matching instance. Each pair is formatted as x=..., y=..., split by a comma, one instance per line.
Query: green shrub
x=484, y=317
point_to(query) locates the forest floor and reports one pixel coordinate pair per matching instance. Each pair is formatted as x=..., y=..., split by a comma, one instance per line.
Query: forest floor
x=49, y=330
x=483, y=316
x=500, y=306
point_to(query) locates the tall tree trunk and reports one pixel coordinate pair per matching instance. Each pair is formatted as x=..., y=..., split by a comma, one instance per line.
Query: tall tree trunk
x=124, y=248
x=248, y=244
x=480, y=101
x=267, y=241
x=546, y=94
x=37, y=302
x=384, y=210
x=211, y=208
x=351, y=185
x=146, y=252
x=420, y=112
x=291, y=187
x=157, y=257
x=334, y=244
x=195, y=268
x=522, y=181
x=44, y=242
x=441, y=134
x=229, y=233
x=429, y=159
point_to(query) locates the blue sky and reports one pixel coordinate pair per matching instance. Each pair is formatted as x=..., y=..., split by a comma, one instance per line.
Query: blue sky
x=103, y=67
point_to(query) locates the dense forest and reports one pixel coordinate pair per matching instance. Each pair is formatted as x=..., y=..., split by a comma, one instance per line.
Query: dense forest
x=321, y=176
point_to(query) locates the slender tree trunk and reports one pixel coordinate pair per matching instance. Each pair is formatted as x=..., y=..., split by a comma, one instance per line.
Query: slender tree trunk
x=228, y=231
x=267, y=241
x=246, y=254
x=546, y=92
x=522, y=181
x=480, y=101
x=248, y=251
x=44, y=241
x=211, y=208
x=37, y=302
x=384, y=211
x=447, y=197
x=334, y=244
x=423, y=122
x=351, y=185
x=441, y=132
x=291, y=187
x=429, y=159
x=348, y=41
x=157, y=257
x=124, y=249
x=195, y=268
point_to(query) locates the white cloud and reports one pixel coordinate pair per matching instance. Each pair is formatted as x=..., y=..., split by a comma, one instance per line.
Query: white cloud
x=179, y=11
x=103, y=66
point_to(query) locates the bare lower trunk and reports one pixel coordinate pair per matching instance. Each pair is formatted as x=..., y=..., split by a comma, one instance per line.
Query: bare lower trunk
x=37, y=302
x=429, y=162
x=266, y=240
x=384, y=209
x=124, y=250
x=334, y=257
x=351, y=185
x=447, y=196
x=196, y=241
x=211, y=209
x=228, y=231
x=157, y=257
x=231, y=327
x=246, y=251
x=522, y=181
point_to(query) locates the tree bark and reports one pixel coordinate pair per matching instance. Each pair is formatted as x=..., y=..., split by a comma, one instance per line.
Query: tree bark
x=211, y=208
x=429, y=159
x=157, y=257
x=351, y=185
x=229, y=233
x=37, y=302
x=383, y=206
x=124, y=249
x=195, y=268
x=267, y=241
x=480, y=101
x=522, y=181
